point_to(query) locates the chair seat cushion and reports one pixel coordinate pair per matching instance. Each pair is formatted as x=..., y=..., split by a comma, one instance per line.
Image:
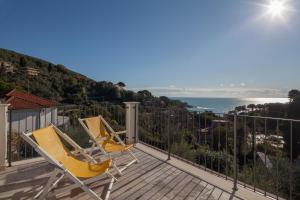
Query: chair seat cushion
x=51, y=143
x=82, y=169
x=112, y=146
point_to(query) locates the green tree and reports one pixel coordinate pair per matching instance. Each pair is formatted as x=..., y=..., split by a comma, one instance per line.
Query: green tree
x=121, y=84
x=251, y=106
x=240, y=108
x=293, y=94
x=23, y=62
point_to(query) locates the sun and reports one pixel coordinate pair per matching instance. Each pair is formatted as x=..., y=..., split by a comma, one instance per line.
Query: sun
x=275, y=11
x=276, y=8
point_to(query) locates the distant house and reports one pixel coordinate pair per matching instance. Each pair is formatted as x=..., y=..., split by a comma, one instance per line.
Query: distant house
x=7, y=66
x=275, y=141
x=30, y=71
x=28, y=112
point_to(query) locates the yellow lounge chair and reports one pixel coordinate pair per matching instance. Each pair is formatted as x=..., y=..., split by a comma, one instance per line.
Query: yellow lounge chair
x=103, y=136
x=49, y=145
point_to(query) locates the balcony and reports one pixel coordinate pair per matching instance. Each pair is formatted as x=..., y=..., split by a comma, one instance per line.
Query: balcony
x=183, y=155
x=152, y=178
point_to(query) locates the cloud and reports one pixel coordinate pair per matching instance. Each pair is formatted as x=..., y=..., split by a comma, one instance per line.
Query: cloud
x=240, y=91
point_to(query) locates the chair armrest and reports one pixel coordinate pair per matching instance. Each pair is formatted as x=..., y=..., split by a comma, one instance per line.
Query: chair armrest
x=100, y=139
x=120, y=132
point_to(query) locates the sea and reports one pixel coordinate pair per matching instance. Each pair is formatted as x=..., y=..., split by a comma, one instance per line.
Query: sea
x=223, y=105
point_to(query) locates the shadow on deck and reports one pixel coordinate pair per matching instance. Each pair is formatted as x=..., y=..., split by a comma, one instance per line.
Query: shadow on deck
x=151, y=178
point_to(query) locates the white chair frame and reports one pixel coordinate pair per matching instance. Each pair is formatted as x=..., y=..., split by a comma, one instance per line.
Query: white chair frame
x=62, y=172
x=97, y=140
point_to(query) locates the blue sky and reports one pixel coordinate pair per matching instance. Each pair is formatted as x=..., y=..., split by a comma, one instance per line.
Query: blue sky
x=171, y=47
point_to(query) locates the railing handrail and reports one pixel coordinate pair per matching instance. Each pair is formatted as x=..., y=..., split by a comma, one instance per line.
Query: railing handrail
x=272, y=118
x=187, y=127
x=222, y=114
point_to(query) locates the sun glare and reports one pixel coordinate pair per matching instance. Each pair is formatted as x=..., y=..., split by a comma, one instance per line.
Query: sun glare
x=276, y=8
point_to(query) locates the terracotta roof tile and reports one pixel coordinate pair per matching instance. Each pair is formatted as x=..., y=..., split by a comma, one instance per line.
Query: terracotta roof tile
x=21, y=100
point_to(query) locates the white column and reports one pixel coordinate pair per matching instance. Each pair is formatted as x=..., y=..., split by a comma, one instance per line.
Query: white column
x=132, y=113
x=3, y=134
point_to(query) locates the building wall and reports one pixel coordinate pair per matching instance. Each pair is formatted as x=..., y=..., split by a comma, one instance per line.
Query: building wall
x=32, y=119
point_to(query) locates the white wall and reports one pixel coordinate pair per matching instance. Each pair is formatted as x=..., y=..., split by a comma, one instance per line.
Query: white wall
x=32, y=119
x=46, y=117
x=24, y=120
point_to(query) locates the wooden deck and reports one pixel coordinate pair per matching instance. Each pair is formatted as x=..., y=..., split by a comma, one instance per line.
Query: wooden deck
x=151, y=178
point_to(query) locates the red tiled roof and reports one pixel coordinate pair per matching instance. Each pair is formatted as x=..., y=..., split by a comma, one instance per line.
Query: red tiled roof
x=21, y=100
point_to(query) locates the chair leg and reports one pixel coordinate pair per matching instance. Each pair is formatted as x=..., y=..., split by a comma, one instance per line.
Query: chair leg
x=50, y=185
x=135, y=160
x=93, y=194
x=113, y=179
x=120, y=170
x=133, y=156
x=84, y=187
x=117, y=169
x=90, y=192
x=127, y=165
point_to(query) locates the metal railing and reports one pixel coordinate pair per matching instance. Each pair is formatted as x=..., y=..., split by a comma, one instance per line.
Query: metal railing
x=65, y=117
x=253, y=151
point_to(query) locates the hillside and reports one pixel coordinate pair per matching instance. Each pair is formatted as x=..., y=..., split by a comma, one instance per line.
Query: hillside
x=57, y=82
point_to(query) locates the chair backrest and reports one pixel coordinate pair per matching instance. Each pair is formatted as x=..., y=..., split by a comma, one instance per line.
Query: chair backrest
x=50, y=142
x=96, y=127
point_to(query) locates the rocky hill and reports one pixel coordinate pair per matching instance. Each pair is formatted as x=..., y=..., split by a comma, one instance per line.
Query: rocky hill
x=57, y=82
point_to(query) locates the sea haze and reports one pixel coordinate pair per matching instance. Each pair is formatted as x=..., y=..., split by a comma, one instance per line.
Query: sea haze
x=222, y=105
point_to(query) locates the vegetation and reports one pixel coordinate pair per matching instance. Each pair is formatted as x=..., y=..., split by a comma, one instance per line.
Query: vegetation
x=58, y=83
x=207, y=139
x=290, y=110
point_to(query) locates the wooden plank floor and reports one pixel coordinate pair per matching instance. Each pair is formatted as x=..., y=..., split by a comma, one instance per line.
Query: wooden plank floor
x=151, y=178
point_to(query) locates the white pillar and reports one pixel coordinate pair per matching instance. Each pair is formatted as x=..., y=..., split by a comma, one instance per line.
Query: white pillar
x=132, y=113
x=3, y=134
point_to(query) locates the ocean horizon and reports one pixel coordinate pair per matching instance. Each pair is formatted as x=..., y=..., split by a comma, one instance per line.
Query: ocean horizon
x=223, y=105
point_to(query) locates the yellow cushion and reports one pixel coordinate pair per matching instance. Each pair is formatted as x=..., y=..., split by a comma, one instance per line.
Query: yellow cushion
x=96, y=127
x=112, y=146
x=50, y=142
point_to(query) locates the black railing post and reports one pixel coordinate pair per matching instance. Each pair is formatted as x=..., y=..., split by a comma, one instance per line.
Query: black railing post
x=235, y=152
x=219, y=147
x=265, y=159
x=169, y=142
x=291, y=161
x=226, y=149
x=254, y=155
x=277, y=163
x=245, y=145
